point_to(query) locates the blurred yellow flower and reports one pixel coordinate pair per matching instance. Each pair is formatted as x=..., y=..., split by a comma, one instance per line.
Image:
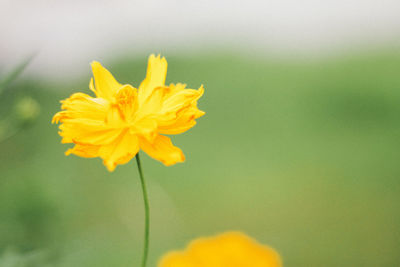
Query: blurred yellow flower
x=121, y=119
x=231, y=249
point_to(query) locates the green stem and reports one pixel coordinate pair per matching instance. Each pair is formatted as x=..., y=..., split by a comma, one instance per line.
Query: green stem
x=10, y=134
x=147, y=213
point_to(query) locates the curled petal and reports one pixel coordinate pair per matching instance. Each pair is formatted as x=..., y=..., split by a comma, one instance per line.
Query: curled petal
x=155, y=76
x=91, y=86
x=85, y=151
x=163, y=150
x=84, y=121
x=105, y=84
x=81, y=105
x=89, y=132
x=153, y=103
x=175, y=88
x=181, y=99
x=184, y=121
x=179, y=111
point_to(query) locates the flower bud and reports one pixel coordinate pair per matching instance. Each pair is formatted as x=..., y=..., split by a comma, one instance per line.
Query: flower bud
x=27, y=109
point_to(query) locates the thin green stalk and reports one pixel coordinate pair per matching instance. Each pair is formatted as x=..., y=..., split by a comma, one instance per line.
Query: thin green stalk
x=147, y=213
x=9, y=134
x=4, y=82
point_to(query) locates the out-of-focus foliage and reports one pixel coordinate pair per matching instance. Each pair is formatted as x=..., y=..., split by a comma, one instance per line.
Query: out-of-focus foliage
x=11, y=258
x=25, y=109
x=302, y=156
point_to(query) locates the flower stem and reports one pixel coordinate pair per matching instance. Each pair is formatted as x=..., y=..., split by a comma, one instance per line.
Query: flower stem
x=147, y=213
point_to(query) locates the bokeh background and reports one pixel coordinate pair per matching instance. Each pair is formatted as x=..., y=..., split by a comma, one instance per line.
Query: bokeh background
x=299, y=147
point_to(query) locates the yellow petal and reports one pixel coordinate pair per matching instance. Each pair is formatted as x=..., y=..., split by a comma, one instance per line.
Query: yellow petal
x=163, y=150
x=81, y=105
x=155, y=76
x=122, y=150
x=84, y=120
x=145, y=127
x=89, y=132
x=182, y=123
x=179, y=111
x=153, y=104
x=181, y=100
x=106, y=85
x=175, y=88
x=91, y=86
x=85, y=151
x=232, y=249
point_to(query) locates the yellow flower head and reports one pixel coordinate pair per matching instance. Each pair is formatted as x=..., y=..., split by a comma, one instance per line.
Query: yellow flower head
x=121, y=119
x=232, y=249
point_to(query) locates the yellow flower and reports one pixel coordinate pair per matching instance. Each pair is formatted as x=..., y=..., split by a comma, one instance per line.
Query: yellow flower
x=231, y=249
x=121, y=119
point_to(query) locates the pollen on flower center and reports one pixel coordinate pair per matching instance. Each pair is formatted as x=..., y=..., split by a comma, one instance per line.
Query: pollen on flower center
x=125, y=97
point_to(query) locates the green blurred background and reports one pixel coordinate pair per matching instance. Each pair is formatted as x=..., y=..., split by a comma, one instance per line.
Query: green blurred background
x=299, y=154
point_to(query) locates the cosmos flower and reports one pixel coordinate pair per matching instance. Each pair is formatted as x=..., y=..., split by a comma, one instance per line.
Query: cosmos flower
x=231, y=249
x=121, y=120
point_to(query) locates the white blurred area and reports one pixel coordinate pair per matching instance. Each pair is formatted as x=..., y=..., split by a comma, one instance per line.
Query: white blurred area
x=67, y=35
